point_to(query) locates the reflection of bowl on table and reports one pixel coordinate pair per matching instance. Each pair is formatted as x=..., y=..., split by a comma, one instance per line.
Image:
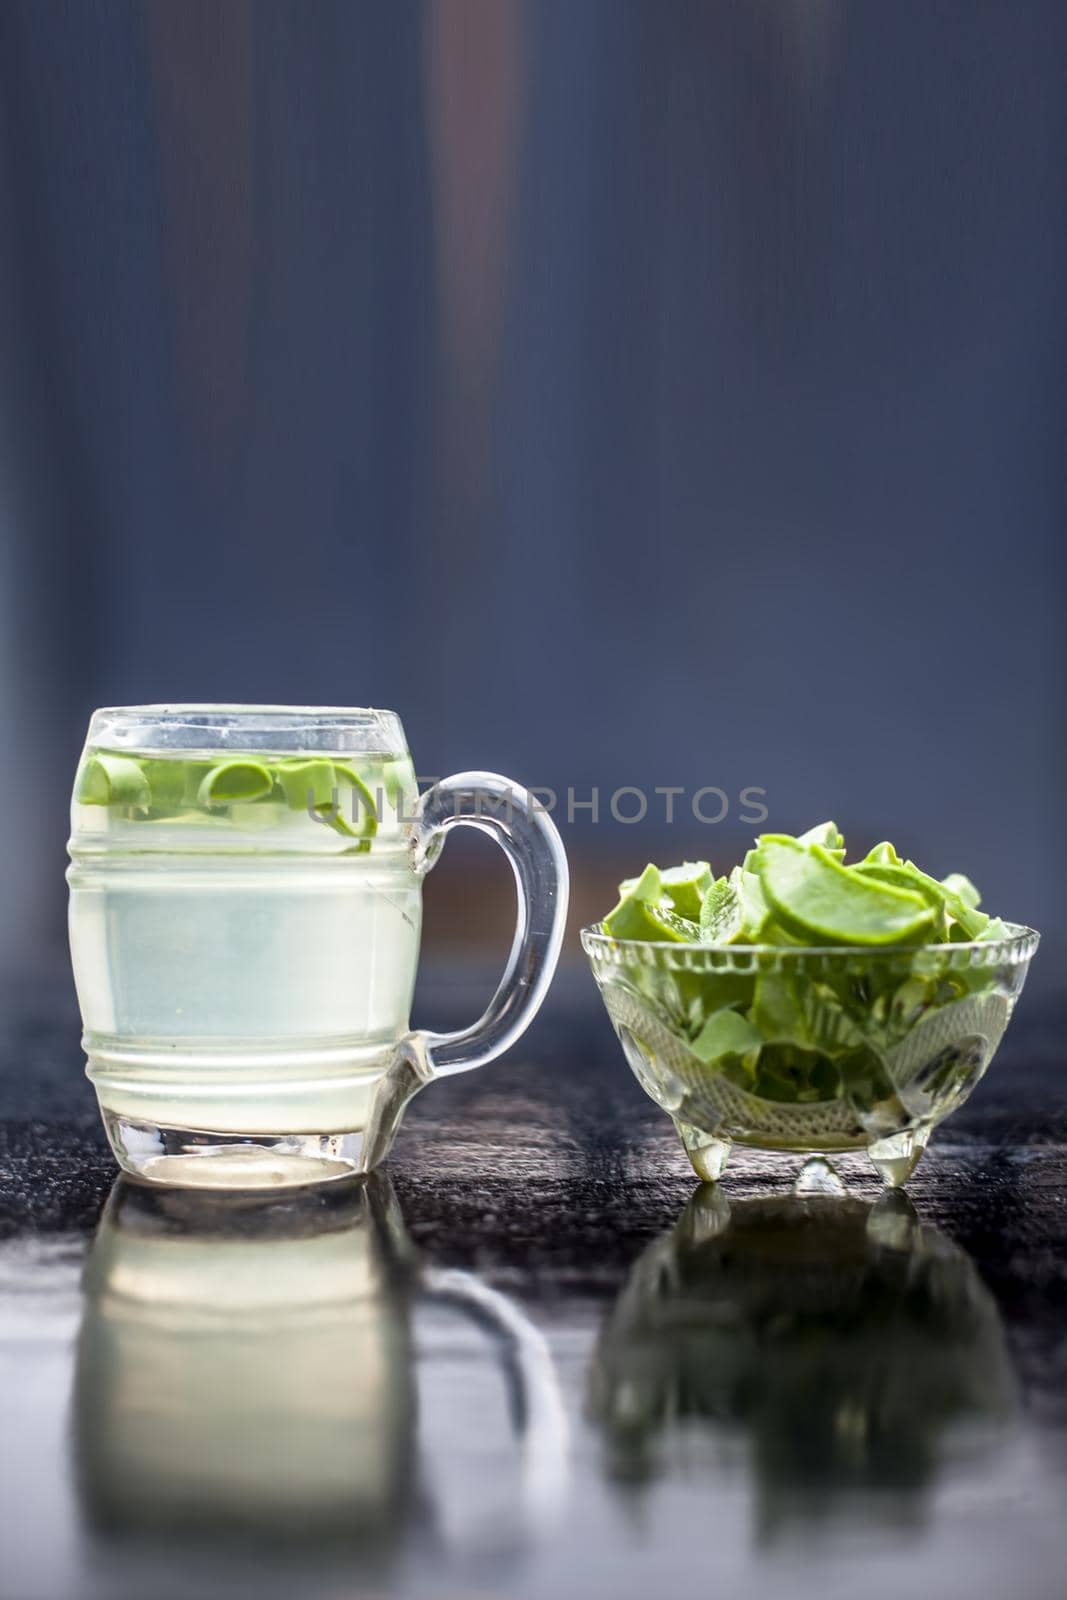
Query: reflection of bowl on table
x=894, y=1040
x=849, y=1345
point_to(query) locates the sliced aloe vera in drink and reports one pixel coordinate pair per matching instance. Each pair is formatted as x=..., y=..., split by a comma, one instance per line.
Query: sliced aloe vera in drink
x=173, y=783
x=307, y=782
x=110, y=780
x=234, y=780
x=399, y=786
x=815, y=897
x=331, y=791
x=360, y=806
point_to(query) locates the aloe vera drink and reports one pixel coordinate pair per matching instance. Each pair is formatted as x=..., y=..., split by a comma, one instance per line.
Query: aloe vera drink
x=245, y=907
x=245, y=930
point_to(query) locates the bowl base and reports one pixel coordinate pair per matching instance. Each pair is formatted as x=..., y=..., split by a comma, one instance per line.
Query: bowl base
x=893, y=1158
x=896, y=1158
x=708, y=1154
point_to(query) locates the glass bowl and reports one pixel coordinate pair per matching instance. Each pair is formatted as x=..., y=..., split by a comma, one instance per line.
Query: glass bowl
x=857, y=1049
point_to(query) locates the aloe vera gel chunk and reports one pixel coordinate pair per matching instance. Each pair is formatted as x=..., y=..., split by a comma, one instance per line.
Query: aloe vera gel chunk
x=645, y=911
x=815, y=898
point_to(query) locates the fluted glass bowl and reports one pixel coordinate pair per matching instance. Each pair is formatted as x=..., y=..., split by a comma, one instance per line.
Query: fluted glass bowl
x=877, y=1046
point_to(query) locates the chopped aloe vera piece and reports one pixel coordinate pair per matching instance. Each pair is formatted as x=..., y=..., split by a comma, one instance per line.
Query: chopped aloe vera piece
x=814, y=896
x=829, y=835
x=959, y=884
x=955, y=896
x=968, y=917
x=637, y=919
x=642, y=915
x=649, y=886
x=234, y=780
x=755, y=912
x=721, y=914
x=726, y=1033
x=778, y=1009
x=994, y=929
x=686, y=886
x=108, y=780
x=905, y=876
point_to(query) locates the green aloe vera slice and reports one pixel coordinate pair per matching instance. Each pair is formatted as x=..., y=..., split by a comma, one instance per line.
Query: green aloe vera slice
x=640, y=914
x=108, y=780
x=904, y=876
x=970, y=920
x=778, y=1009
x=755, y=912
x=307, y=783
x=686, y=886
x=234, y=780
x=959, y=884
x=326, y=788
x=829, y=835
x=361, y=806
x=682, y=887
x=398, y=782
x=726, y=1033
x=721, y=914
x=173, y=784
x=815, y=897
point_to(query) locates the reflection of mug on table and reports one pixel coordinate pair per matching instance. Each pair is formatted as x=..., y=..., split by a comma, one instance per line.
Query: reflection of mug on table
x=245, y=1365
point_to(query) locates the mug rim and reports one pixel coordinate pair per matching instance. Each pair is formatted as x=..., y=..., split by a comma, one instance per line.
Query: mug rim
x=232, y=724
x=163, y=710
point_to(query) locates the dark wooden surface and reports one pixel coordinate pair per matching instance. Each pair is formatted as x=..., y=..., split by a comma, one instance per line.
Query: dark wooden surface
x=594, y=1384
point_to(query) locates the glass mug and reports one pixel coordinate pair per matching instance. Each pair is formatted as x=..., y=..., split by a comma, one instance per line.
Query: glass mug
x=245, y=912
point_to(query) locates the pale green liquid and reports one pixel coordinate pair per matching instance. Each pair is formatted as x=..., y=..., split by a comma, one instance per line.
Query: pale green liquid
x=241, y=968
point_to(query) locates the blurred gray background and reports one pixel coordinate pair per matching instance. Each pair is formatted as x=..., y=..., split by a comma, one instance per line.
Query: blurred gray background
x=628, y=393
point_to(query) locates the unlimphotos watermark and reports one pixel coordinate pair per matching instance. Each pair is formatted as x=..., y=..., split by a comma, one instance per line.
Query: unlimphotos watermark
x=628, y=804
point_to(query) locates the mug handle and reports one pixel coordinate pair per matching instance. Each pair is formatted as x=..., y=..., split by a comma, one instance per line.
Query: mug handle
x=535, y=1403
x=531, y=842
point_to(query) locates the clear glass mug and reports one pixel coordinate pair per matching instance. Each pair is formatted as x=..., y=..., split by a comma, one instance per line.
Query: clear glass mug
x=245, y=913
